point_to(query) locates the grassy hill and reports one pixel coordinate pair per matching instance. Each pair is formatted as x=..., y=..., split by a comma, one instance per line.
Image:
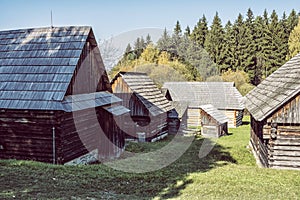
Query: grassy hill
x=228, y=172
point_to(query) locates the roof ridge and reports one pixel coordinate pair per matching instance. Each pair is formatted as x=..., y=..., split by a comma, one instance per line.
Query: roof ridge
x=43, y=28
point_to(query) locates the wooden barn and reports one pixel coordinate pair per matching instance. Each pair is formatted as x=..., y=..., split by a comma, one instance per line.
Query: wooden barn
x=213, y=122
x=274, y=106
x=55, y=100
x=149, y=109
x=222, y=95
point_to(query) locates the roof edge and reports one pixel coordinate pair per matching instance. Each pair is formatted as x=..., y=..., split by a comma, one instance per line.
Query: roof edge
x=270, y=112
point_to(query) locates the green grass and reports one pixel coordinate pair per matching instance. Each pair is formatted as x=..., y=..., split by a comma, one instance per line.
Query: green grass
x=228, y=172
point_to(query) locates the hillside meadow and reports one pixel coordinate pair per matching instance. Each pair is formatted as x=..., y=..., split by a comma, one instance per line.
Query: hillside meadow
x=228, y=172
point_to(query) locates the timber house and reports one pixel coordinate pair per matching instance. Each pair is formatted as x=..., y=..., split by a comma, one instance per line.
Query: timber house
x=213, y=122
x=274, y=106
x=222, y=95
x=55, y=100
x=149, y=109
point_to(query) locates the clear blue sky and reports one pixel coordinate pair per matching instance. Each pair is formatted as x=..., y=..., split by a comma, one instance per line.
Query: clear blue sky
x=112, y=17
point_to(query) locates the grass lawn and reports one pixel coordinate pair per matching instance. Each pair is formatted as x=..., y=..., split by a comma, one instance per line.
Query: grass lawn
x=228, y=172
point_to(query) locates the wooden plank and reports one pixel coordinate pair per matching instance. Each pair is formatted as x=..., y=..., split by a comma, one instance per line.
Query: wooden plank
x=287, y=142
x=285, y=158
x=285, y=167
x=290, y=163
x=288, y=148
x=286, y=153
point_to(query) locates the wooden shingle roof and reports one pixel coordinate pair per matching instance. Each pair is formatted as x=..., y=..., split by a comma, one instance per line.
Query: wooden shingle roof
x=214, y=113
x=36, y=65
x=222, y=95
x=275, y=90
x=146, y=91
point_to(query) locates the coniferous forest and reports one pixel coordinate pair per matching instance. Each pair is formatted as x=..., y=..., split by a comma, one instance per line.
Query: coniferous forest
x=245, y=51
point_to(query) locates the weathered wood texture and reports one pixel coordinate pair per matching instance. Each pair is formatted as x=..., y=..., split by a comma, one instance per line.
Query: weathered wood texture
x=173, y=121
x=257, y=142
x=50, y=81
x=275, y=109
x=222, y=95
x=28, y=135
x=235, y=117
x=148, y=107
x=213, y=122
x=288, y=113
x=193, y=117
x=277, y=146
x=90, y=74
x=275, y=91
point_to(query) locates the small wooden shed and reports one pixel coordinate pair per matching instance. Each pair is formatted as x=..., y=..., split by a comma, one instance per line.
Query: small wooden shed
x=274, y=106
x=222, y=95
x=55, y=100
x=213, y=122
x=149, y=109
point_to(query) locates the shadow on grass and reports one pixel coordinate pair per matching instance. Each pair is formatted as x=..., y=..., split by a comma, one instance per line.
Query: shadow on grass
x=245, y=122
x=35, y=180
x=190, y=162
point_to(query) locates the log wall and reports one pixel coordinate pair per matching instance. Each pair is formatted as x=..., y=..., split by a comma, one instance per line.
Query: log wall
x=193, y=117
x=140, y=119
x=27, y=135
x=90, y=129
x=276, y=140
x=235, y=117
x=211, y=128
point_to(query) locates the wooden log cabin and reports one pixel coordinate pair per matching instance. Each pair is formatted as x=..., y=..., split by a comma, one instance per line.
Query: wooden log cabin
x=274, y=106
x=213, y=122
x=149, y=109
x=222, y=95
x=55, y=100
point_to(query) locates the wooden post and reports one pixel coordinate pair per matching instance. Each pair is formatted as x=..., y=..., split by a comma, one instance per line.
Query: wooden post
x=53, y=143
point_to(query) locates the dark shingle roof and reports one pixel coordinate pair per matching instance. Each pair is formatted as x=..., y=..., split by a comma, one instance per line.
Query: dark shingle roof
x=146, y=91
x=275, y=90
x=36, y=65
x=222, y=95
x=214, y=113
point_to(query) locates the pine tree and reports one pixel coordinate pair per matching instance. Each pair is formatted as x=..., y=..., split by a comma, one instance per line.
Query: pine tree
x=285, y=35
x=138, y=47
x=148, y=39
x=294, y=42
x=249, y=63
x=187, y=31
x=175, y=41
x=128, y=54
x=200, y=31
x=164, y=42
x=143, y=43
x=277, y=58
x=128, y=49
x=292, y=21
x=239, y=31
x=266, y=45
x=228, y=49
x=260, y=44
x=266, y=17
x=214, y=40
x=177, y=29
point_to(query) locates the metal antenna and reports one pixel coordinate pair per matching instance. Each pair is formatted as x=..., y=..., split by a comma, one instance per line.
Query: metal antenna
x=51, y=20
